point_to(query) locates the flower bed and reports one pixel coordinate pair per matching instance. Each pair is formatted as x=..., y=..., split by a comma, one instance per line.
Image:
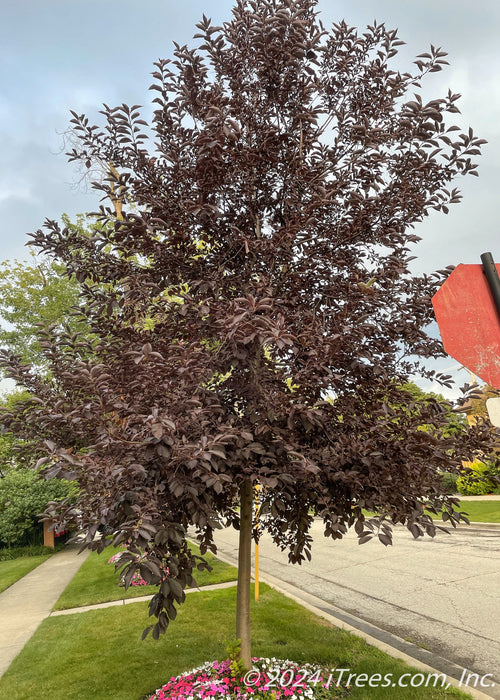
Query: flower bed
x=269, y=679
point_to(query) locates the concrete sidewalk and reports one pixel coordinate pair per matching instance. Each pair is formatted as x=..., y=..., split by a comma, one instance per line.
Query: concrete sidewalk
x=27, y=602
x=489, y=497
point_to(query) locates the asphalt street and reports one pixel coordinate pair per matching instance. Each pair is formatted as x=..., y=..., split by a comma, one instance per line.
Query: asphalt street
x=439, y=593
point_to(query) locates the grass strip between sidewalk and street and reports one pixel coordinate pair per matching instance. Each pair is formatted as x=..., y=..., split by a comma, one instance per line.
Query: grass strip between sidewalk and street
x=99, y=655
x=97, y=582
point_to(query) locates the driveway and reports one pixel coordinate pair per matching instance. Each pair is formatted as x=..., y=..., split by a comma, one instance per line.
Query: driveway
x=441, y=594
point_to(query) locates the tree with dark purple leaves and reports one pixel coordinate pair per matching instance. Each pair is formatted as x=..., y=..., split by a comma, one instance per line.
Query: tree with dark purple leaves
x=249, y=286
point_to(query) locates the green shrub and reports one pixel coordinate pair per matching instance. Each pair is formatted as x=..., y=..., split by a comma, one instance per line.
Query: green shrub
x=494, y=471
x=23, y=496
x=475, y=483
x=449, y=482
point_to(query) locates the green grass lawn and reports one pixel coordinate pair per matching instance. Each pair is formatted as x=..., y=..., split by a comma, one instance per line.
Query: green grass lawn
x=99, y=655
x=477, y=511
x=480, y=511
x=97, y=582
x=14, y=569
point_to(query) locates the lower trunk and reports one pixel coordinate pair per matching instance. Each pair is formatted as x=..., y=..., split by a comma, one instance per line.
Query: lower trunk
x=244, y=571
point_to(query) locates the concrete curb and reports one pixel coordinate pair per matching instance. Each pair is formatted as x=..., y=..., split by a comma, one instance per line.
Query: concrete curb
x=385, y=641
x=479, y=526
x=138, y=599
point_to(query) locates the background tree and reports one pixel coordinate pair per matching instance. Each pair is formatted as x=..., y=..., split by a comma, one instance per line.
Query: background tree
x=264, y=268
x=10, y=456
x=34, y=293
x=454, y=417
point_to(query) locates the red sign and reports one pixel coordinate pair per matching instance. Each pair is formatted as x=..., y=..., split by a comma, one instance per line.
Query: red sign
x=469, y=322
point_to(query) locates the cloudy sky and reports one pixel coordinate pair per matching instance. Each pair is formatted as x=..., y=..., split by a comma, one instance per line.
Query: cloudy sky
x=63, y=54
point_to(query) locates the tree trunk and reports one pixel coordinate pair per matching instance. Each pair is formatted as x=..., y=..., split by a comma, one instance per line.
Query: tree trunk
x=244, y=571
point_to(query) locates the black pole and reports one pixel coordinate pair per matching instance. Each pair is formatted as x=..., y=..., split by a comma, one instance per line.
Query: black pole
x=491, y=272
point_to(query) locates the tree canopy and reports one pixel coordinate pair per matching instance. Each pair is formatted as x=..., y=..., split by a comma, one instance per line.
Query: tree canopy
x=263, y=268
